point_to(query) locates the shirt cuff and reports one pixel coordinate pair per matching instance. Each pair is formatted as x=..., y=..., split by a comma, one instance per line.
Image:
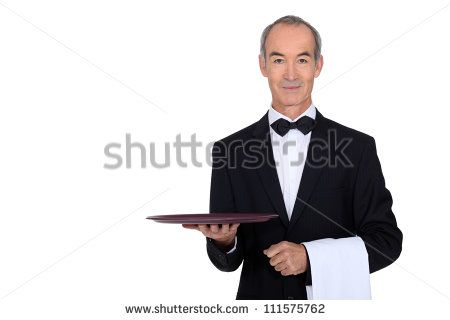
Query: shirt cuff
x=234, y=247
x=224, y=250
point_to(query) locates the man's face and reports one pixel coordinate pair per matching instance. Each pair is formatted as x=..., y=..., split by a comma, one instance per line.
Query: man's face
x=289, y=65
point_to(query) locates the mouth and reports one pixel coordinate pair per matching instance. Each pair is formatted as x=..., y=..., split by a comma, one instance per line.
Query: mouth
x=291, y=88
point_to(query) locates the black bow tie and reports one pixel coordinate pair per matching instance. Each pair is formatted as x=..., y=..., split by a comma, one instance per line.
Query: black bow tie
x=305, y=124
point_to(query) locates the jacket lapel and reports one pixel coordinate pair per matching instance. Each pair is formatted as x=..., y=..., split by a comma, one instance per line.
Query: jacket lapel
x=267, y=170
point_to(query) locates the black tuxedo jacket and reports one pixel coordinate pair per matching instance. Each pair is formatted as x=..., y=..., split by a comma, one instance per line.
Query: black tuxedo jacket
x=342, y=193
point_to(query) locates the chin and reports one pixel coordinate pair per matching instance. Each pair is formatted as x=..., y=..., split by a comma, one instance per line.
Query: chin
x=291, y=101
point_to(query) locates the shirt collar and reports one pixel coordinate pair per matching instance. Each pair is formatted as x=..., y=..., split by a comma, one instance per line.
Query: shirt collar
x=274, y=115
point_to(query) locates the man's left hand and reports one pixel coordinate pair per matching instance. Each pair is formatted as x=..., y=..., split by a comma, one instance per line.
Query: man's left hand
x=287, y=257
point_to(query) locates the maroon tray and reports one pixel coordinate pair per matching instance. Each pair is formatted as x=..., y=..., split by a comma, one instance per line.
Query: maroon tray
x=214, y=218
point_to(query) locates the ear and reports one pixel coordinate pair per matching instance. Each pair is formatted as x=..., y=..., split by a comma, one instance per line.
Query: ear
x=262, y=66
x=318, y=67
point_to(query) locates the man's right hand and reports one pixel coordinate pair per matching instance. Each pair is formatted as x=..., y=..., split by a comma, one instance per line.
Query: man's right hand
x=223, y=235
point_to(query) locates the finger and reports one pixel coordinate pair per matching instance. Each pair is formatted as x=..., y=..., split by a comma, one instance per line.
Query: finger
x=205, y=230
x=294, y=269
x=234, y=226
x=279, y=258
x=273, y=249
x=214, y=228
x=225, y=229
x=281, y=266
x=278, y=248
x=286, y=272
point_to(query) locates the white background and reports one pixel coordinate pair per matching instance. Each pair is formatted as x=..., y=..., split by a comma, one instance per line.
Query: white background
x=77, y=75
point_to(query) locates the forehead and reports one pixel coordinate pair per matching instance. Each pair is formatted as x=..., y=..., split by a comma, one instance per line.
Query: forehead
x=289, y=39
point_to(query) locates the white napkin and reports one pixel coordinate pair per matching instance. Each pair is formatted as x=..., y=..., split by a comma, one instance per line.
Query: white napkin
x=339, y=269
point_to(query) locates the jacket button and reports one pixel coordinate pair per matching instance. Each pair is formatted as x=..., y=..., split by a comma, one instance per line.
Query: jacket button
x=291, y=298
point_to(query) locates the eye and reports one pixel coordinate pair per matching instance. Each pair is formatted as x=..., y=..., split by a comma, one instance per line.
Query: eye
x=278, y=60
x=302, y=60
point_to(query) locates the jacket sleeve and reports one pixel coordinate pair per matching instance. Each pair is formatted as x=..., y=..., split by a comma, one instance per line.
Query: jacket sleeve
x=375, y=222
x=308, y=281
x=222, y=200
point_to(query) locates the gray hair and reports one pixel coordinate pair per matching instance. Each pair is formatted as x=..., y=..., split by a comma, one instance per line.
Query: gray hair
x=296, y=21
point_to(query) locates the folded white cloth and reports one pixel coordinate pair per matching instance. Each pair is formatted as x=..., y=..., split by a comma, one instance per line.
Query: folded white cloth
x=339, y=269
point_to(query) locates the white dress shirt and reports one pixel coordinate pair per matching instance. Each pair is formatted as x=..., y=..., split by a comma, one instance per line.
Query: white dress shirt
x=289, y=152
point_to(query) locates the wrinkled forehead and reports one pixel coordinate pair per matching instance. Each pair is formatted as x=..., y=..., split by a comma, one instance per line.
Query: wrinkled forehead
x=290, y=39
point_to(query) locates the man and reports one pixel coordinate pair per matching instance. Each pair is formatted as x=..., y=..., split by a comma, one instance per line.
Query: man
x=323, y=179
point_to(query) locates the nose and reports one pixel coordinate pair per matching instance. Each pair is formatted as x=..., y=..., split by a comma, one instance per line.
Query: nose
x=290, y=72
